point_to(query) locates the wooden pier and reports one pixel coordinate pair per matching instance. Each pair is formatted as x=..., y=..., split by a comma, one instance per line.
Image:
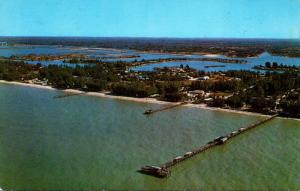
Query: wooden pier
x=150, y=111
x=67, y=95
x=164, y=171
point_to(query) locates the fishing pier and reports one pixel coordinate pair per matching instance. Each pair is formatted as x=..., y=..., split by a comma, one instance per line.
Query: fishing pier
x=68, y=95
x=150, y=111
x=164, y=171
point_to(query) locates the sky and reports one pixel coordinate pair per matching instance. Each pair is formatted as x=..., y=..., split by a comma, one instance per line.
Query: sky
x=151, y=18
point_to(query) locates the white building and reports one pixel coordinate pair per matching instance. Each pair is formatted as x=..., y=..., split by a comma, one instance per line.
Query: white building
x=203, y=78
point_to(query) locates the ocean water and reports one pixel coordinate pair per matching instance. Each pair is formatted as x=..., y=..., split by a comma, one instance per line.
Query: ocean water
x=85, y=142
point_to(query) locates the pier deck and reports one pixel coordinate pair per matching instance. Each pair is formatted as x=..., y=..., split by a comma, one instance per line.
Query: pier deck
x=149, y=112
x=164, y=171
x=67, y=95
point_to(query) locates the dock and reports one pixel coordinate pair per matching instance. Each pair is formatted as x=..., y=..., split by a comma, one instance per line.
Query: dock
x=150, y=111
x=67, y=95
x=164, y=171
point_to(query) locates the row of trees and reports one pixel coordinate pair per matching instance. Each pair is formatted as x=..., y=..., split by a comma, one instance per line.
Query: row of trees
x=133, y=89
x=168, y=91
x=291, y=104
x=276, y=66
x=90, y=77
x=16, y=71
x=222, y=85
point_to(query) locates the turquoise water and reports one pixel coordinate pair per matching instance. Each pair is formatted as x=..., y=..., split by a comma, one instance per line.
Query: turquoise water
x=84, y=142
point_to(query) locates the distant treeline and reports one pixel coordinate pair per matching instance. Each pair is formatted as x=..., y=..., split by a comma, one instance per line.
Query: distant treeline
x=229, y=47
x=275, y=66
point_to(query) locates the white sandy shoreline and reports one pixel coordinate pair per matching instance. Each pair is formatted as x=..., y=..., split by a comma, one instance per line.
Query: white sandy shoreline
x=141, y=100
x=98, y=94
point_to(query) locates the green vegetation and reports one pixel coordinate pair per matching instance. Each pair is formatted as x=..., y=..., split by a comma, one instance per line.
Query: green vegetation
x=264, y=92
x=171, y=92
x=17, y=71
x=135, y=89
x=90, y=78
x=223, y=86
x=291, y=104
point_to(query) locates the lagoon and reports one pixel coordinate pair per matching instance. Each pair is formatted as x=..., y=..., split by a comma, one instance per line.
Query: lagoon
x=7, y=51
x=201, y=65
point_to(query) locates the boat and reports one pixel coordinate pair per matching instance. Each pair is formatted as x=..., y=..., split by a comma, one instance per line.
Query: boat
x=147, y=112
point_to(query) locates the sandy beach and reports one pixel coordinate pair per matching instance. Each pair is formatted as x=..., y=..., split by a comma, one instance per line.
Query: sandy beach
x=141, y=100
x=98, y=94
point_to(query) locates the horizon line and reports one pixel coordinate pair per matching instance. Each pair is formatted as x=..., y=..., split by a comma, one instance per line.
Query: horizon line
x=151, y=37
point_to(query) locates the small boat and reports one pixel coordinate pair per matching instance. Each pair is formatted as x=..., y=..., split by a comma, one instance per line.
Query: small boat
x=147, y=112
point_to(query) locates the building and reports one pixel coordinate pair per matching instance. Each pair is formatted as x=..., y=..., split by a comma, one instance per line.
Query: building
x=203, y=78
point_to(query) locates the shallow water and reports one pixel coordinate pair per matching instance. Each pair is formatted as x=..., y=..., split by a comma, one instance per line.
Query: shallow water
x=108, y=53
x=84, y=142
x=7, y=51
x=251, y=62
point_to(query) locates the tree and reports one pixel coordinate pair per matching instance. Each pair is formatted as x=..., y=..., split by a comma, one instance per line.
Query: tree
x=291, y=107
x=217, y=102
x=136, y=89
x=95, y=85
x=172, y=92
x=234, y=101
